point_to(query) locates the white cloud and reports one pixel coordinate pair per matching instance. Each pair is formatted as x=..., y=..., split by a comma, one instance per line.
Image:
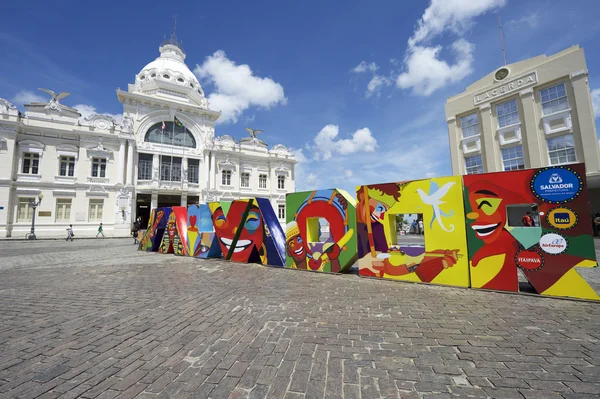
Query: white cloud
x=326, y=142
x=596, y=102
x=377, y=83
x=454, y=15
x=364, y=66
x=87, y=110
x=348, y=173
x=27, y=97
x=424, y=70
x=237, y=88
x=532, y=20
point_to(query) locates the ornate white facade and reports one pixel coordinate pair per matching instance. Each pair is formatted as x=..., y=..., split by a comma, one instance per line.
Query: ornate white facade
x=92, y=170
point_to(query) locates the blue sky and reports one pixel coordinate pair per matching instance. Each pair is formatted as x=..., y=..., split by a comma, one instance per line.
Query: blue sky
x=356, y=88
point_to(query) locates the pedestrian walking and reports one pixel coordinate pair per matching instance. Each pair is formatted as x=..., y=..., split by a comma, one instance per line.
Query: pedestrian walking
x=135, y=231
x=421, y=226
x=70, y=234
x=100, y=231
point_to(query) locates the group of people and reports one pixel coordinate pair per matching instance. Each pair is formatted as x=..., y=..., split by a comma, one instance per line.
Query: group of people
x=134, y=231
x=417, y=227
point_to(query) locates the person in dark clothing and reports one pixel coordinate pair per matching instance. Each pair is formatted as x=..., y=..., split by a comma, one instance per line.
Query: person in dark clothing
x=134, y=231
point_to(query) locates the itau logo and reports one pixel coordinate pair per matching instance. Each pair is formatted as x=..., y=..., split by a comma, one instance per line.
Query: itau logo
x=555, y=178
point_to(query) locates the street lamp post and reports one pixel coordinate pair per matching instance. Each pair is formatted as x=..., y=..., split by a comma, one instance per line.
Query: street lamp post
x=34, y=205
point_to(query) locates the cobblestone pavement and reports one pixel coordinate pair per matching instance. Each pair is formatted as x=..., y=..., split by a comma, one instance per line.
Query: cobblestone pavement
x=95, y=318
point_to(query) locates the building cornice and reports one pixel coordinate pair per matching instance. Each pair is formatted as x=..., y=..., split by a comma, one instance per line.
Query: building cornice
x=169, y=104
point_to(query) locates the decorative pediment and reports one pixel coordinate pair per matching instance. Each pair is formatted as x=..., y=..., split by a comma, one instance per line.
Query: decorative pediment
x=282, y=170
x=280, y=149
x=99, y=151
x=225, y=141
x=32, y=146
x=97, y=190
x=67, y=150
x=99, y=121
x=226, y=165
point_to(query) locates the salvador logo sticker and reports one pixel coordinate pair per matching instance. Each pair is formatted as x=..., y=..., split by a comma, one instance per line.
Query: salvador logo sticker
x=529, y=260
x=556, y=185
x=561, y=218
x=553, y=244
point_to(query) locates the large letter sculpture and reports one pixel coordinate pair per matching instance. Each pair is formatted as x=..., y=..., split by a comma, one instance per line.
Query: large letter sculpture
x=248, y=231
x=479, y=231
x=174, y=240
x=305, y=249
x=548, y=236
x=156, y=227
x=201, y=237
x=442, y=260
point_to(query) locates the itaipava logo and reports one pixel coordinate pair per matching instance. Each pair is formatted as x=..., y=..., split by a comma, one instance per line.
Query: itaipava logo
x=529, y=260
x=556, y=185
x=561, y=218
x=553, y=244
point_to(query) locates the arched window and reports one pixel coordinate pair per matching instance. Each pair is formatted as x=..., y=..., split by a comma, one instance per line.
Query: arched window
x=182, y=137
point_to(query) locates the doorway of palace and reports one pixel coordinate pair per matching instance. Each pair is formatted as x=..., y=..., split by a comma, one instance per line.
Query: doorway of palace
x=166, y=200
x=143, y=208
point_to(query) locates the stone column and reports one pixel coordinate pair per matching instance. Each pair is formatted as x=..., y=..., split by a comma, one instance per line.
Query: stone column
x=184, y=170
x=155, y=167
x=184, y=199
x=455, y=148
x=585, y=122
x=121, y=170
x=130, y=155
x=205, y=170
x=530, y=131
x=154, y=201
x=212, y=172
x=488, y=141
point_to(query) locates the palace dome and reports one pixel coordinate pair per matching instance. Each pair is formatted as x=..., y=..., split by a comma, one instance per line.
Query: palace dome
x=170, y=67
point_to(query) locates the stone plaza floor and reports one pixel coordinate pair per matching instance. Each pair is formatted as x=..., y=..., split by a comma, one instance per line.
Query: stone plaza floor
x=96, y=318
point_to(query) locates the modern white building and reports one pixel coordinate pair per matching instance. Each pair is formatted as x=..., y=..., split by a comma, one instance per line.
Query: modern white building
x=532, y=113
x=94, y=170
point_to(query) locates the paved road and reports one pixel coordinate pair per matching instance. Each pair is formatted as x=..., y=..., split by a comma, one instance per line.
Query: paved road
x=95, y=318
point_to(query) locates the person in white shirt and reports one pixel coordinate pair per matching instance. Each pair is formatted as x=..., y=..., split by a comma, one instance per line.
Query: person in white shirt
x=70, y=233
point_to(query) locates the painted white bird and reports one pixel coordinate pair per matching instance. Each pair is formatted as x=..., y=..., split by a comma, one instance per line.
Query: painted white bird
x=434, y=198
x=253, y=132
x=55, y=97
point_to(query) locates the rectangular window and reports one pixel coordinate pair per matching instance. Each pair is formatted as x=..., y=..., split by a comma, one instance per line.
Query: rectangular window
x=96, y=208
x=24, y=211
x=507, y=113
x=554, y=99
x=31, y=163
x=226, y=178
x=63, y=210
x=512, y=158
x=523, y=215
x=98, y=167
x=67, y=166
x=469, y=124
x=245, y=180
x=474, y=164
x=561, y=150
x=281, y=212
x=145, y=167
x=281, y=182
x=170, y=169
x=262, y=181
x=193, y=170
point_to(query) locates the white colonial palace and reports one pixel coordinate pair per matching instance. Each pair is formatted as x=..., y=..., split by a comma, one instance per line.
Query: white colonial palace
x=87, y=171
